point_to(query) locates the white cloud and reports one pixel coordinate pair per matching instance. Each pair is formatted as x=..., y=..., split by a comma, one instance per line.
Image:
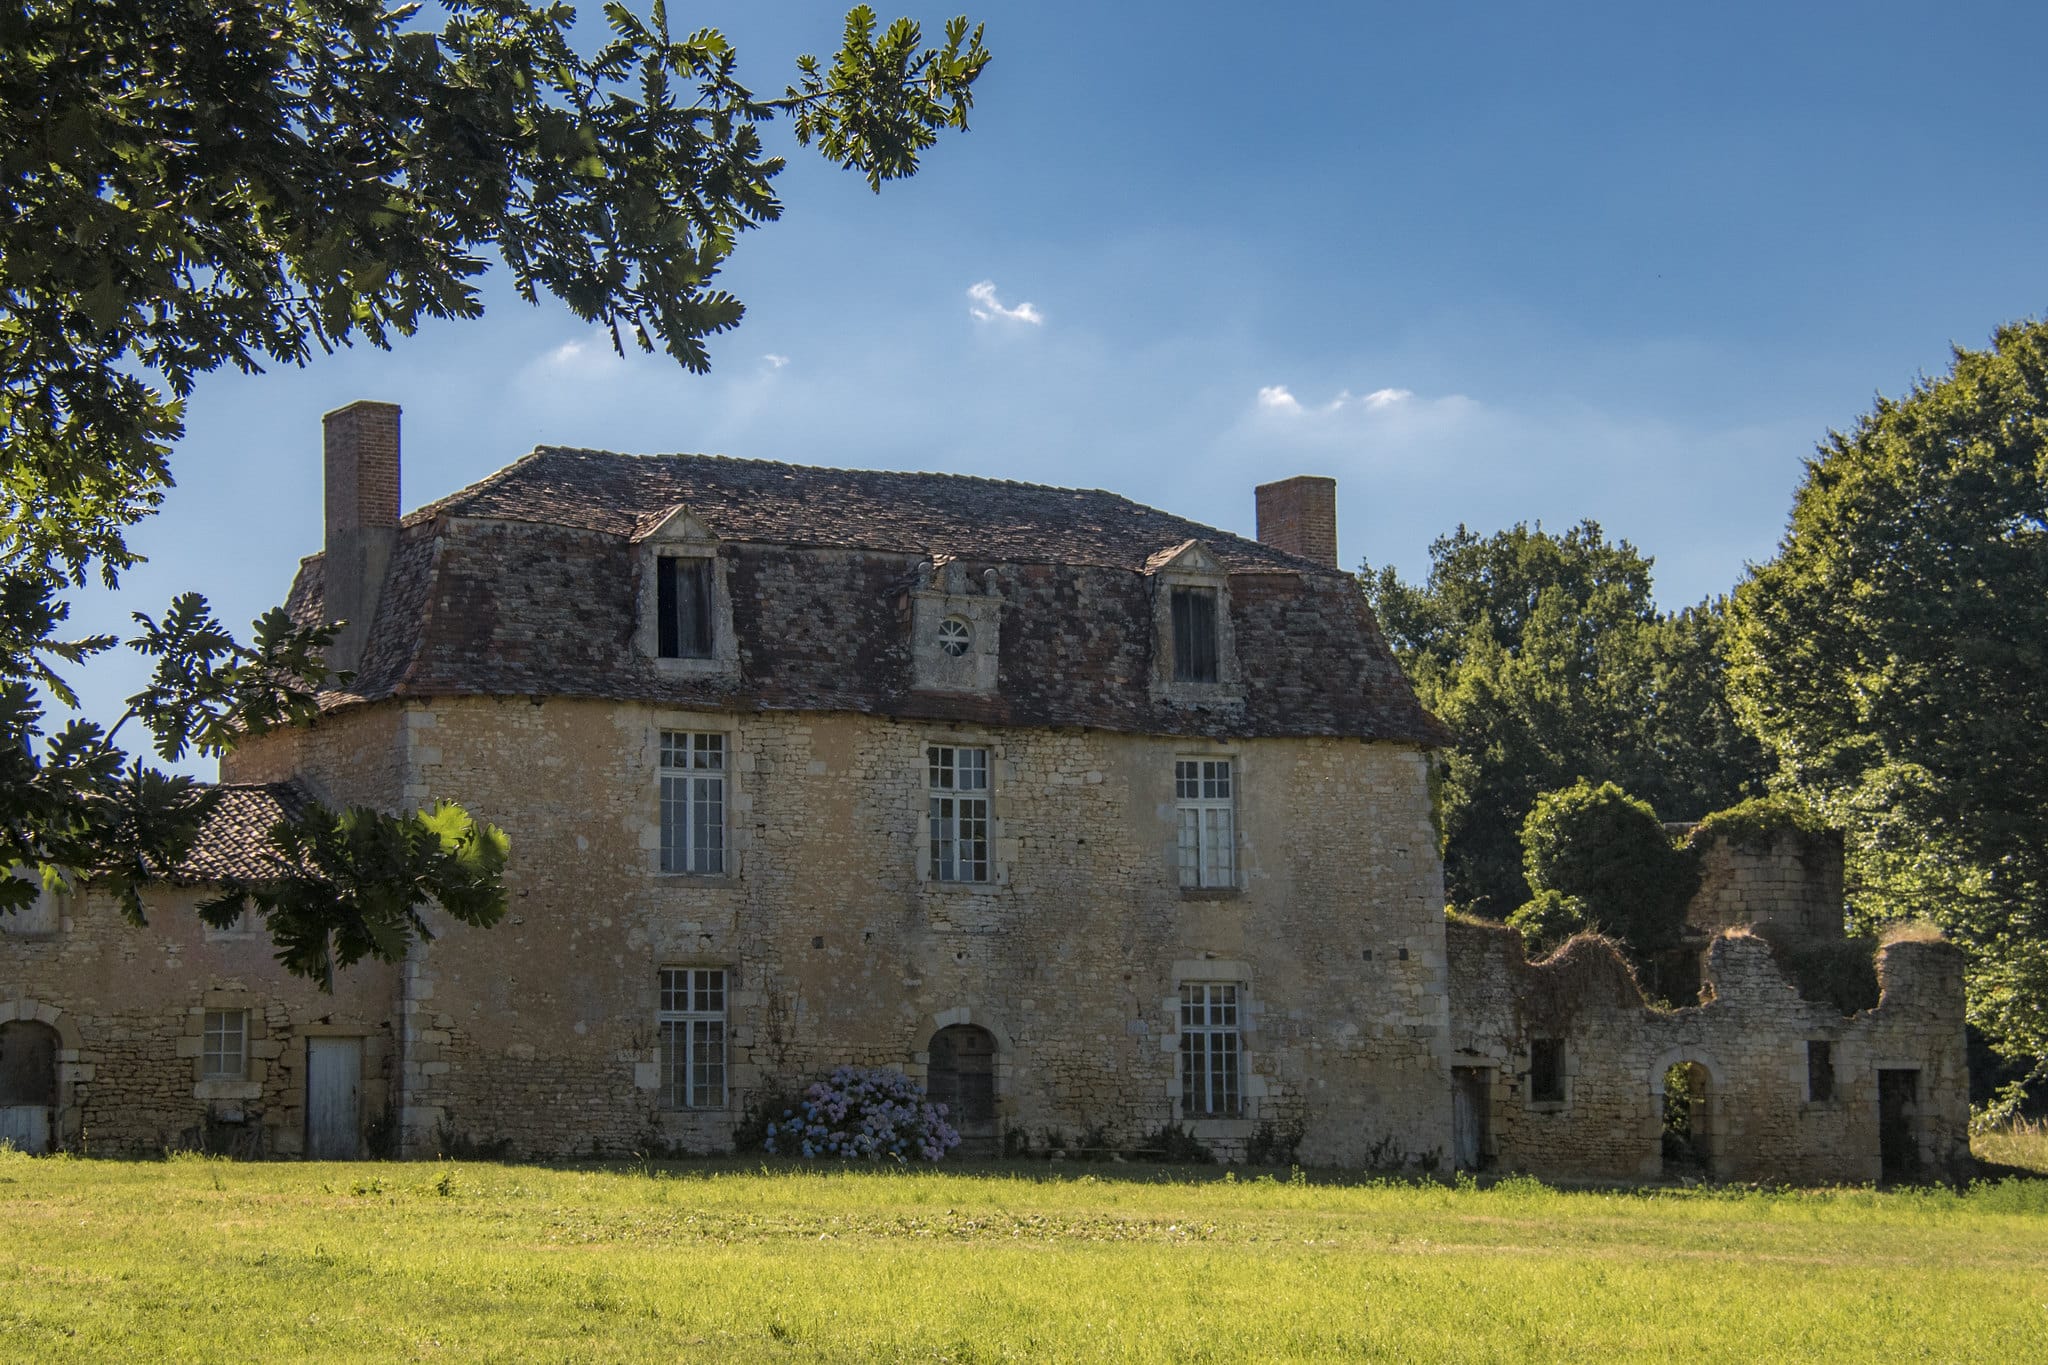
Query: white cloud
x=987, y=307
x=775, y=362
x=1411, y=465
x=1279, y=398
x=586, y=359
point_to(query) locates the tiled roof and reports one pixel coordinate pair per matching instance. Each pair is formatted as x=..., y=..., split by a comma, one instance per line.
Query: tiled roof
x=234, y=841
x=867, y=509
x=527, y=584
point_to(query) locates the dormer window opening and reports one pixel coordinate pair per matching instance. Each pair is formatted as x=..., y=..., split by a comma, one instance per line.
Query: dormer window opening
x=955, y=635
x=1194, y=635
x=683, y=606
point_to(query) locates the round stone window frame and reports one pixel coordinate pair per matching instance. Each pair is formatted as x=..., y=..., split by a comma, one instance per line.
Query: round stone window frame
x=955, y=637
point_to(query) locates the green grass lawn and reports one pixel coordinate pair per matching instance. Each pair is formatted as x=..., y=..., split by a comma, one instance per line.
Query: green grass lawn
x=203, y=1259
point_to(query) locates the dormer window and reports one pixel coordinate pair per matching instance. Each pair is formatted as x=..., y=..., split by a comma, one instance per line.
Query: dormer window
x=1194, y=635
x=1194, y=650
x=684, y=598
x=955, y=621
x=683, y=607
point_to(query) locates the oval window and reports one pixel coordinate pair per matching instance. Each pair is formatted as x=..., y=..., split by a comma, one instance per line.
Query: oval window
x=954, y=636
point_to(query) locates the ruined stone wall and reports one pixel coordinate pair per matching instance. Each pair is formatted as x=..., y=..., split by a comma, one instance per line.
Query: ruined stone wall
x=541, y=1032
x=1759, y=1121
x=1792, y=879
x=128, y=1003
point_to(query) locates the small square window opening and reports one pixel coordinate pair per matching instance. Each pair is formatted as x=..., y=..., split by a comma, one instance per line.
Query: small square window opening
x=224, y=1046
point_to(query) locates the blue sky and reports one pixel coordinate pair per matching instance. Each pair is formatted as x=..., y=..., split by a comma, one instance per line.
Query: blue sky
x=1481, y=263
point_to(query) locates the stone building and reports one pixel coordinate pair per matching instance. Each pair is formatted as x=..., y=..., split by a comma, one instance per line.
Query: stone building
x=1096, y=821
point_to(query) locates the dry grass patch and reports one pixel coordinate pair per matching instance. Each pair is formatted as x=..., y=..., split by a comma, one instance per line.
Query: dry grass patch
x=2021, y=1145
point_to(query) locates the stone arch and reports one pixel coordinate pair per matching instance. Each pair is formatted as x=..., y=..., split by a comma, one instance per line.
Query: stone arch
x=946, y=1035
x=30, y=1020
x=1686, y=1105
x=961, y=1014
x=36, y=1011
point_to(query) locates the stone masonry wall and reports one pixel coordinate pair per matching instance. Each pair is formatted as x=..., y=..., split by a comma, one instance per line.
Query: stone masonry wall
x=128, y=1003
x=352, y=757
x=1751, y=1038
x=1794, y=880
x=540, y=1033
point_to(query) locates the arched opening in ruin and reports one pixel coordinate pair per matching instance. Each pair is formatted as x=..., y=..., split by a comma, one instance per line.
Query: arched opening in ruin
x=28, y=1085
x=1688, y=1123
x=962, y=1076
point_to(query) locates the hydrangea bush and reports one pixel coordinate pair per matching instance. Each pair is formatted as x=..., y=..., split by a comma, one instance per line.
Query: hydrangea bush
x=869, y=1112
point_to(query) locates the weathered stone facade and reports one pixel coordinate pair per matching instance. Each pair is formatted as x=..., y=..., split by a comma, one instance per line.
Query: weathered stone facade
x=1095, y=663
x=1760, y=1117
x=128, y=1005
x=838, y=950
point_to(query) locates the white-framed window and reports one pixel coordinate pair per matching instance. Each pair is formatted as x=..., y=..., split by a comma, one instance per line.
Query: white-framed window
x=1205, y=809
x=224, y=1046
x=1209, y=1048
x=693, y=768
x=692, y=1025
x=959, y=812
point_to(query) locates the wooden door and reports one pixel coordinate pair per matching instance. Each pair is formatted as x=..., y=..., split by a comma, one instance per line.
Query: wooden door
x=1471, y=1098
x=28, y=1084
x=334, y=1079
x=962, y=1076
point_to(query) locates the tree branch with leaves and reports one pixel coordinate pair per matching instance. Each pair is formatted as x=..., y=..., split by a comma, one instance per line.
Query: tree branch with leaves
x=186, y=187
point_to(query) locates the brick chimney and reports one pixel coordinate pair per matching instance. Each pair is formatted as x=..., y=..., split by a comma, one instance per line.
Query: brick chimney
x=362, y=518
x=1299, y=515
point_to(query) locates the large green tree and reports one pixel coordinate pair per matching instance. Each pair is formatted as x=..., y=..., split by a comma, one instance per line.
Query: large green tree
x=1894, y=658
x=1547, y=655
x=192, y=184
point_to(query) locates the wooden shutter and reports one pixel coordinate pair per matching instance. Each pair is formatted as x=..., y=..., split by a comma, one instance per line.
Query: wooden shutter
x=665, y=607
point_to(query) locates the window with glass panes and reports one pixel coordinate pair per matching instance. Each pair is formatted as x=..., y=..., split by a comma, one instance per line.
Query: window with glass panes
x=1208, y=1047
x=959, y=813
x=692, y=1025
x=1205, y=805
x=692, y=801
x=224, y=1045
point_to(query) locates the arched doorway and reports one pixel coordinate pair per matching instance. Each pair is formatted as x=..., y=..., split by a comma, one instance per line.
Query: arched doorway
x=28, y=1084
x=1688, y=1123
x=962, y=1076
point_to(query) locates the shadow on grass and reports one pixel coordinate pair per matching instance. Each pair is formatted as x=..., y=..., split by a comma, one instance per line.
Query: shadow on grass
x=1055, y=1171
